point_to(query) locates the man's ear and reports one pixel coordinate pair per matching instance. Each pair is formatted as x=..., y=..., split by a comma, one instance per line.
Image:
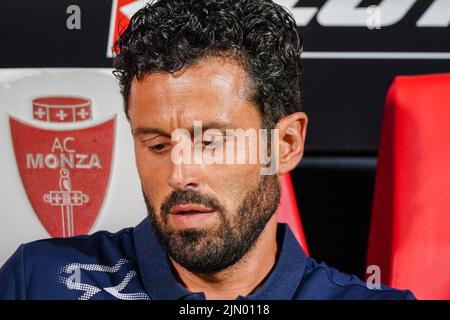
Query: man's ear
x=292, y=134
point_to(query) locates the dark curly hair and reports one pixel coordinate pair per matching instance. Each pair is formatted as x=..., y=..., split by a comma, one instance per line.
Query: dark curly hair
x=167, y=35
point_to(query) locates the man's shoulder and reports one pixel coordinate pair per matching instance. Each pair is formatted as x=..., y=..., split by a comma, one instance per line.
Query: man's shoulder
x=98, y=245
x=100, y=260
x=323, y=282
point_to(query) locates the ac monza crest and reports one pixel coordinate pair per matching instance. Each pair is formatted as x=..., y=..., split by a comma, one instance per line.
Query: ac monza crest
x=65, y=172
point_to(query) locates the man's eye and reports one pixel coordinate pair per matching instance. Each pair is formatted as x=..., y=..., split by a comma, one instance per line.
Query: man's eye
x=207, y=143
x=210, y=144
x=158, y=147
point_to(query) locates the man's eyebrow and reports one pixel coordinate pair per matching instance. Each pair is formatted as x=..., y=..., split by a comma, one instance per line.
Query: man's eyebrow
x=220, y=125
x=145, y=130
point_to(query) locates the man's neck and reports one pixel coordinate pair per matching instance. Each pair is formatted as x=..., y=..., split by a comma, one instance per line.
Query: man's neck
x=243, y=277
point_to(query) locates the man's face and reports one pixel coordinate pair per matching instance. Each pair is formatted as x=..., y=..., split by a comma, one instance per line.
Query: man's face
x=206, y=216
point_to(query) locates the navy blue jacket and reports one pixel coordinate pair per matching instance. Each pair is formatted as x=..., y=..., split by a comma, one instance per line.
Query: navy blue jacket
x=131, y=265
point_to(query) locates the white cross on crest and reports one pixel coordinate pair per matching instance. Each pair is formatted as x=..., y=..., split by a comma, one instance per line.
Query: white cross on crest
x=40, y=113
x=61, y=115
x=82, y=113
x=66, y=199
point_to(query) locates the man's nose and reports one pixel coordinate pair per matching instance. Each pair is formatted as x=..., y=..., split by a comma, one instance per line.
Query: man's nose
x=183, y=176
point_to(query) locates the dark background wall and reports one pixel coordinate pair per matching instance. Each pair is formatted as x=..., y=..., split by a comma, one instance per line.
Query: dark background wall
x=343, y=98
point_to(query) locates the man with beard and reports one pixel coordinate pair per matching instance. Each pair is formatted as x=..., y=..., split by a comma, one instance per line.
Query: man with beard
x=212, y=229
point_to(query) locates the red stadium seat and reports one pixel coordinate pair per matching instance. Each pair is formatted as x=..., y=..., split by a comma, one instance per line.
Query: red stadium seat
x=289, y=211
x=410, y=228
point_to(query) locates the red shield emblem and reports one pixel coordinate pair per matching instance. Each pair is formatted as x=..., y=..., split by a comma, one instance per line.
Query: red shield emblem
x=65, y=172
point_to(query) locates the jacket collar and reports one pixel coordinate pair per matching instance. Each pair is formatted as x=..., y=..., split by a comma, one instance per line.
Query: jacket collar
x=161, y=283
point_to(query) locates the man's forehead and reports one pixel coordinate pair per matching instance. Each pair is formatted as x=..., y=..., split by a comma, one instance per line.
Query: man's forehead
x=212, y=90
x=226, y=76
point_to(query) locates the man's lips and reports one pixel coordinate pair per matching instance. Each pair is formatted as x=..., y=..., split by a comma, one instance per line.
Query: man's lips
x=190, y=209
x=189, y=216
